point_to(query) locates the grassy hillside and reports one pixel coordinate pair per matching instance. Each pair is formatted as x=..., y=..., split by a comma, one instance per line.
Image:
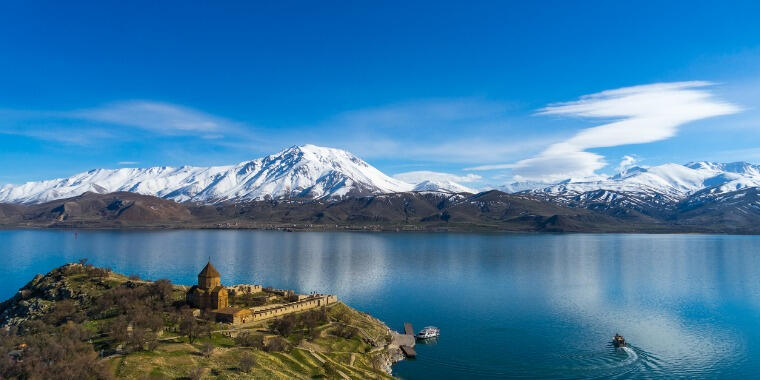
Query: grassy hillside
x=80, y=321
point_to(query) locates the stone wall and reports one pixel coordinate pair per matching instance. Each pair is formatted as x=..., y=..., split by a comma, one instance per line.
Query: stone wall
x=234, y=316
x=244, y=288
x=312, y=302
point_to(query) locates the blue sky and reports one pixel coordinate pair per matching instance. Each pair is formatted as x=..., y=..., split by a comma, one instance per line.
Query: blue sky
x=485, y=91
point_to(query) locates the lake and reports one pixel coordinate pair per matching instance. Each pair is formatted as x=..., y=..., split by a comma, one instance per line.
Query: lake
x=508, y=306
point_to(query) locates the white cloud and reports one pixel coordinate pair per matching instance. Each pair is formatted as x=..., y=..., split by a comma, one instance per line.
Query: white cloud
x=416, y=177
x=157, y=117
x=60, y=133
x=120, y=121
x=648, y=113
x=425, y=130
x=625, y=163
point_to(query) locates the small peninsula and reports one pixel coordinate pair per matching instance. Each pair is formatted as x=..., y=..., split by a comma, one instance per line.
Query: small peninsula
x=82, y=321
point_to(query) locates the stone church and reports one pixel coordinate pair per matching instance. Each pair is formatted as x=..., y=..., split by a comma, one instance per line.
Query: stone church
x=209, y=293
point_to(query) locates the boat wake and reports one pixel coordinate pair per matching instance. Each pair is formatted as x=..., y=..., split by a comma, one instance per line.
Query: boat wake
x=632, y=356
x=608, y=363
x=598, y=364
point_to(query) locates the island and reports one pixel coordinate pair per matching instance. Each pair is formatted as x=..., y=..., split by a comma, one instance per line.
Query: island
x=83, y=321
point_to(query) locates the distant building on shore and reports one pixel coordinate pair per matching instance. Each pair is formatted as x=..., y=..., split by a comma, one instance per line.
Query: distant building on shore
x=209, y=293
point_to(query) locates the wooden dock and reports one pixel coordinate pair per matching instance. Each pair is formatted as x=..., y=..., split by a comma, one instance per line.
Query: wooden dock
x=409, y=352
x=402, y=339
x=407, y=347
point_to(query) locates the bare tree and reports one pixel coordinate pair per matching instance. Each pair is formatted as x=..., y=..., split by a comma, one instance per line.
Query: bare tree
x=188, y=325
x=207, y=349
x=197, y=374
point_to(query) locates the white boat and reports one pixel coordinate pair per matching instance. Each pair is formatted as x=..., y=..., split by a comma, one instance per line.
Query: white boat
x=428, y=332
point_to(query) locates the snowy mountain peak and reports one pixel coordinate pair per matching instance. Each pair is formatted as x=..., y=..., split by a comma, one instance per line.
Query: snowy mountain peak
x=739, y=167
x=307, y=171
x=629, y=172
x=443, y=186
x=672, y=180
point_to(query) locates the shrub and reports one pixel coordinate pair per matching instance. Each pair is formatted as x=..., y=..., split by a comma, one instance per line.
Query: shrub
x=207, y=349
x=64, y=311
x=276, y=344
x=314, y=318
x=57, y=354
x=162, y=290
x=247, y=362
x=284, y=326
x=197, y=373
x=330, y=370
x=347, y=332
x=247, y=339
x=98, y=272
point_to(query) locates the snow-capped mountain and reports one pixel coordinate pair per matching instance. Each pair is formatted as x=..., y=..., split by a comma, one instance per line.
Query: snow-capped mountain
x=660, y=194
x=671, y=181
x=443, y=186
x=310, y=171
x=304, y=171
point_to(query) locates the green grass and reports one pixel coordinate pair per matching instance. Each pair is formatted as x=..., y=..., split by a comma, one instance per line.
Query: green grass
x=218, y=340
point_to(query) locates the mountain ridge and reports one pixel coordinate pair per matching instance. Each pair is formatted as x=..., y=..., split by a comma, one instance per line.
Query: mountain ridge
x=663, y=194
x=670, y=180
x=606, y=212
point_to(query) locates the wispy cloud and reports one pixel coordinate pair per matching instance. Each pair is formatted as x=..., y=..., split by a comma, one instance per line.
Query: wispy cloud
x=158, y=117
x=461, y=130
x=455, y=149
x=60, y=133
x=115, y=120
x=626, y=163
x=428, y=114
x=415, y=177
x=128, y=162
x=648, y=113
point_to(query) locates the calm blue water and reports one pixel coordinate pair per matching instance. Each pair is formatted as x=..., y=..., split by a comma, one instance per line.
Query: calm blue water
x=509, y=306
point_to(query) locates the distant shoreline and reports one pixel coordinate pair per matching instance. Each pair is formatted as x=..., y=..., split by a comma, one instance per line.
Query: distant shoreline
x=353, y=230
x=492, y=212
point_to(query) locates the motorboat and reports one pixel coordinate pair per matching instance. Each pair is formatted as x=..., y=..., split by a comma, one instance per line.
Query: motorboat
x=618, y=341
x=428, y=332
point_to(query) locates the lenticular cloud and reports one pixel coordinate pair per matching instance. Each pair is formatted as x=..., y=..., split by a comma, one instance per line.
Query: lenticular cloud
x=646, y=113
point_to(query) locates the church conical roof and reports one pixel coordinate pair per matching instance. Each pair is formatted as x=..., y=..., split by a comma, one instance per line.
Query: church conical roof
x=209, y=271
